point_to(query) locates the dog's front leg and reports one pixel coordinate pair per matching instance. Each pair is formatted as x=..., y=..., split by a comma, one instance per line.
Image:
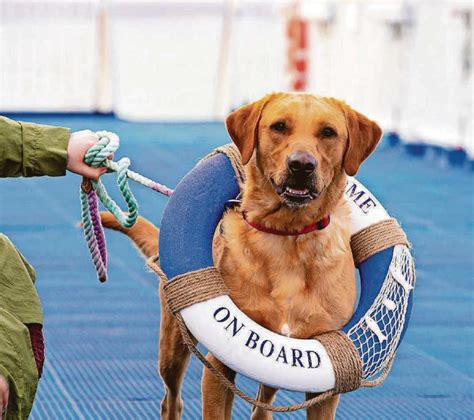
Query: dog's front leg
x=265, y=394
x=325, y=410
x=217, y=400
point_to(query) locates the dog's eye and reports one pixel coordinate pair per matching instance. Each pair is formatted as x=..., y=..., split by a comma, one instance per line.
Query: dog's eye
x=279, y=127
x=328, y=132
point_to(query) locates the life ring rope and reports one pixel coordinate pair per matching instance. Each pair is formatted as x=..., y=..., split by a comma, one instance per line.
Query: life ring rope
x=383, y=368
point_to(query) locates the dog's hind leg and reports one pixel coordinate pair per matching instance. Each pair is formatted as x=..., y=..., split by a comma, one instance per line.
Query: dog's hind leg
x=325, y=410
x=217, y=400
x=173, y=360
x=265, y=394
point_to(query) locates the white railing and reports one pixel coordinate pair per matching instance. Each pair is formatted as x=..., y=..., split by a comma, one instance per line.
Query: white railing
x=406, y=64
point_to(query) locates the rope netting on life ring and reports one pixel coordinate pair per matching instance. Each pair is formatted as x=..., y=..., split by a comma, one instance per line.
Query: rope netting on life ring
x=376, y=336
x=93, y=191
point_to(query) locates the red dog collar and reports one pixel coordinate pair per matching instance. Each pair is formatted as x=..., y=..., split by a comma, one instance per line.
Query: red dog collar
x=319, y=225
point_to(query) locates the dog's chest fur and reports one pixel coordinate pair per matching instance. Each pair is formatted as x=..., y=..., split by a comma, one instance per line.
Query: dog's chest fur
x=298, y=286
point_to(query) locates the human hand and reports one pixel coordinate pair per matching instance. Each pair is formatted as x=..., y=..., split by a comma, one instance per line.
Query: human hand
x=4, y=394
x=79, y=144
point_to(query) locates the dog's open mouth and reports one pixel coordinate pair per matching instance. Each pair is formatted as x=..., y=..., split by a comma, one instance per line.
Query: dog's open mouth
x=297, y=192
x=296, y=195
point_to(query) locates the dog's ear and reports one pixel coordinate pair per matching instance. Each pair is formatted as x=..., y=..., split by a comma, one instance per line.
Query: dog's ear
x=363, y=137
x=242, y=126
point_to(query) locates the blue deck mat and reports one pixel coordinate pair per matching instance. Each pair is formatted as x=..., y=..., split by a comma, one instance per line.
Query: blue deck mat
x=102, y=338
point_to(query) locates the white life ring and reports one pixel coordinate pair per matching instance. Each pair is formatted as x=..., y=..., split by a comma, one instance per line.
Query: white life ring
x=187, y=229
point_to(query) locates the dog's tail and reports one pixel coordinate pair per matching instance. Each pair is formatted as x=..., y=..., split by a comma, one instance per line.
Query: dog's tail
x=143, y=233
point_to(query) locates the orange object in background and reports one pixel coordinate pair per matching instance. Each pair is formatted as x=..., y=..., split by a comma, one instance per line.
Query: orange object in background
x=297, y=33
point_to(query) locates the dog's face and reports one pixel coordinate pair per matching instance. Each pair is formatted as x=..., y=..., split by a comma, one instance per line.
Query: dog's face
x=302, y=142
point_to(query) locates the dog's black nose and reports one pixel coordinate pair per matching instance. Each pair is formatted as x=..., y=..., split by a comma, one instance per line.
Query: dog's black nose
x=301, y=163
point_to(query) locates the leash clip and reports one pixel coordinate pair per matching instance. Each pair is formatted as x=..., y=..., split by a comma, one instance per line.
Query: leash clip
x=86, y=185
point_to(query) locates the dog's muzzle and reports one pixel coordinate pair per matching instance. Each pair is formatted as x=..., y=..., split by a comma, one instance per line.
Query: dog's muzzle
x=298, y=187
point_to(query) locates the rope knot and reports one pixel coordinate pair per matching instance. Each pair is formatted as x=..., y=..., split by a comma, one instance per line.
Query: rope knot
x=107, y=145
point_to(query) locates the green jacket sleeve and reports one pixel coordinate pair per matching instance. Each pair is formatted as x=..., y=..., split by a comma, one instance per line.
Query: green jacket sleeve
x=32, y=150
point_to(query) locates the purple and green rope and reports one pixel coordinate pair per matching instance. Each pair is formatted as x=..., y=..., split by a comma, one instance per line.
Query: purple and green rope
x=93, y=191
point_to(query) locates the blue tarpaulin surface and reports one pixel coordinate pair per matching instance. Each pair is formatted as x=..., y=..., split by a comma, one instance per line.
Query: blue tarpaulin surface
x=101, y=339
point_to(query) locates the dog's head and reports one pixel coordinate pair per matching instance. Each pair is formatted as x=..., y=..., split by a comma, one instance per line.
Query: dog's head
x=301, y=142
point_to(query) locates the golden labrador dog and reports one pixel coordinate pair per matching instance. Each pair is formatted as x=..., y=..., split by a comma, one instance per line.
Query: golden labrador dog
x=285, y=252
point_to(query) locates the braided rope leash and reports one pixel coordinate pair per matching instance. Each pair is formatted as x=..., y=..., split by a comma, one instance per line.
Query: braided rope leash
x=92, y=191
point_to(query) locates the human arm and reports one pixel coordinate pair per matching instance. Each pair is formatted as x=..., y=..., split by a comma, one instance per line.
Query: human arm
x=28, y=149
